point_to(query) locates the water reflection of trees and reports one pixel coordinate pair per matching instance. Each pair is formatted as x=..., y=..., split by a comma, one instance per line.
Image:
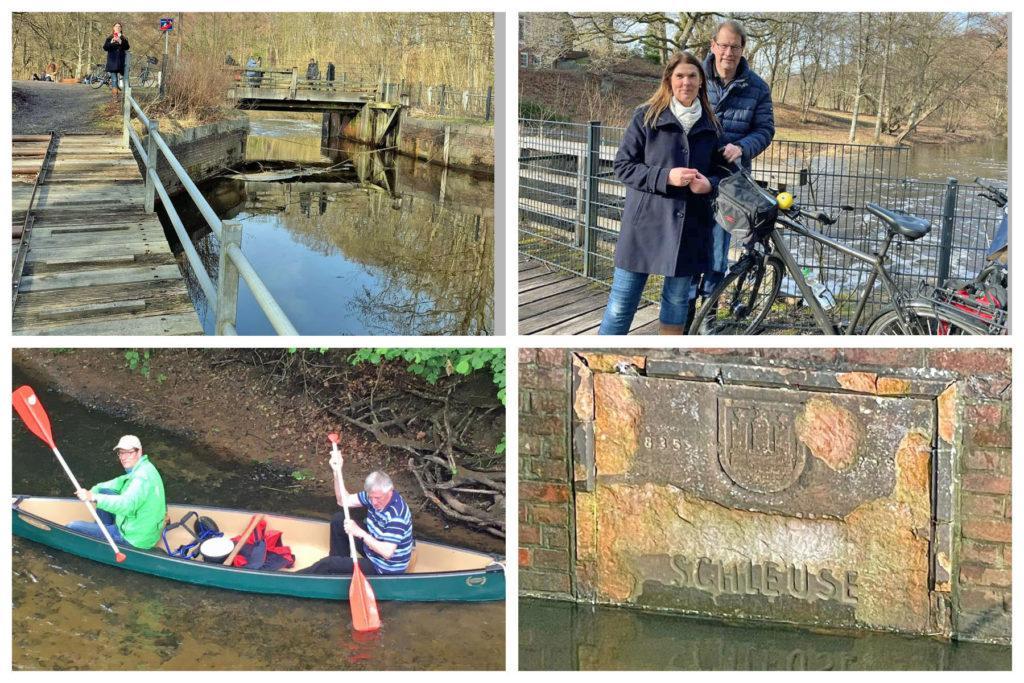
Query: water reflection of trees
x=435, y=263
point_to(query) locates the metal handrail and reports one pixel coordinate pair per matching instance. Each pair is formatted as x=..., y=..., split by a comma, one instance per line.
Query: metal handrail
x=231, y=258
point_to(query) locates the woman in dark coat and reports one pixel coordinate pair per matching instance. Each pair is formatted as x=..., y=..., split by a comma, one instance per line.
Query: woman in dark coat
x=667, y=161
x=116, y=46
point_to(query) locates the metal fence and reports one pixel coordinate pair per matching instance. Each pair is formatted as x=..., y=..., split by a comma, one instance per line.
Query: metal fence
x=233, y=265
x=444, y=100
x=570, y=208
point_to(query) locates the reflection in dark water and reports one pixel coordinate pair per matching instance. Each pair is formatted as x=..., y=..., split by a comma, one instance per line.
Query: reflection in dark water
x=72, y=613
x=565, y=636
x=375, y=244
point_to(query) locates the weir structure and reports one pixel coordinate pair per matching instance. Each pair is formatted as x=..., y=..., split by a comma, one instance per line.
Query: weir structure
x=847, y=489
x=340, y=101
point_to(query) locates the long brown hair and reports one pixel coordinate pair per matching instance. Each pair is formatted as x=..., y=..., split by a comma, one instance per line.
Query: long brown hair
x=661, y=98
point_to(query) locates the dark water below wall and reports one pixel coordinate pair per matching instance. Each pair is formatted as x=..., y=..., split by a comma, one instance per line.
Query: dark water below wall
x=565, y=636
x=380, y=244
x=71, y=613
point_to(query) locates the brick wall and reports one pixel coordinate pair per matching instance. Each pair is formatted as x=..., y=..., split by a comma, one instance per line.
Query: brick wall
x=545, y=511
x=982, y=570
x=203, y=151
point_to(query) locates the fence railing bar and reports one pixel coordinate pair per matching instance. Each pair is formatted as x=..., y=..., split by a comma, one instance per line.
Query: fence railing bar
x=205, y=282
x=263, y=297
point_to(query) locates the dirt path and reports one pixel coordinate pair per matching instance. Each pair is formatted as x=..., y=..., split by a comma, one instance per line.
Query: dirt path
x=41, y=107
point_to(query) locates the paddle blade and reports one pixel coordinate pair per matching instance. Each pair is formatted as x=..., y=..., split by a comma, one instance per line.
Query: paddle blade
x=362, y=602
x=28, y=407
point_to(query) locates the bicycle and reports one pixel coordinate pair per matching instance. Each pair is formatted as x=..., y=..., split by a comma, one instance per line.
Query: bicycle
x=742, y=301
x=985, y=296
x=143, y=78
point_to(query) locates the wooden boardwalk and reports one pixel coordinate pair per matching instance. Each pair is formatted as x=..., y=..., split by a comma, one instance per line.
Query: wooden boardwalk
x=554, y=301
x=97, y=263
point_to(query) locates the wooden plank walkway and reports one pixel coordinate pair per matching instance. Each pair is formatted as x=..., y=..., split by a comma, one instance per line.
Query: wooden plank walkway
x=97, y=263
x=555, y=301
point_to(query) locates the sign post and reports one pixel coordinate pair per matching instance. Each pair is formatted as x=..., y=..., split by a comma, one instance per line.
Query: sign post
x=166, y=26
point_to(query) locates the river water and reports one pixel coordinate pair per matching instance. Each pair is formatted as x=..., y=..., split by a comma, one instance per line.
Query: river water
x=72, y=613
x=376, y=244
x=564, y=636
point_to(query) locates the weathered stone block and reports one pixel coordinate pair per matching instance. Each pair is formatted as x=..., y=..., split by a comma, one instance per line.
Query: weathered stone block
x=986, y=483
x=985, y=530
x=544, y=582
x=979, y=505
x=552, y=357
x=529, y=534
x=970, y=361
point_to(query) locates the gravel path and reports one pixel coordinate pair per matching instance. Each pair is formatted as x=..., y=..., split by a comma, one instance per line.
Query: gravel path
x=41, y=107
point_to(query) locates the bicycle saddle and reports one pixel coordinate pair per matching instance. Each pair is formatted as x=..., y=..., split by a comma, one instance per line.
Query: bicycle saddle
x=901, y=222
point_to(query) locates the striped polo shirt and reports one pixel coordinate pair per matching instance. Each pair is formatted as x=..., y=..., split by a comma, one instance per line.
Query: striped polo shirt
x=393, y=524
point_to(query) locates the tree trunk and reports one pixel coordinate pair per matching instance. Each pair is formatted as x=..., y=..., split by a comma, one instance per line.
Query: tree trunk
x=880, y=113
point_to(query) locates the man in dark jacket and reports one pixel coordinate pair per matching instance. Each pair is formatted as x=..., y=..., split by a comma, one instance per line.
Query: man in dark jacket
x=743, y=103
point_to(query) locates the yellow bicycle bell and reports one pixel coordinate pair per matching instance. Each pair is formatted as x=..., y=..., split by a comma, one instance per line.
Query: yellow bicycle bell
x=785, y=200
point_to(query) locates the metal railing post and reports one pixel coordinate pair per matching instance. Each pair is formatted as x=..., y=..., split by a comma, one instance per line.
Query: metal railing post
x=946, y=238
x=293, y=88
x=152, y=156
x=127, y=94
x=487, y=108
x=593, y=165
x=227, y=279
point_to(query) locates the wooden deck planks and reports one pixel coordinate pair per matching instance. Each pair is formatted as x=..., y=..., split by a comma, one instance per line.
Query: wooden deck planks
x=98, y=264
x=553, y=301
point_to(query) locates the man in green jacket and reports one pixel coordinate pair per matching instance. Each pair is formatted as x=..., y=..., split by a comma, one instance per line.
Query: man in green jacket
x=131, y=506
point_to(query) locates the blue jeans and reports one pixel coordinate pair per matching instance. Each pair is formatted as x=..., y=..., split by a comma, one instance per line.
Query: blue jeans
x=627, y=287
x=93, y=529
x=719, y=263
x=108, y=519
x=116, y=80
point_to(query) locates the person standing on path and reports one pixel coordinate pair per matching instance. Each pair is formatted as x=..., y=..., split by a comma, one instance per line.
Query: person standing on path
x=116, y=45
x=743, y=103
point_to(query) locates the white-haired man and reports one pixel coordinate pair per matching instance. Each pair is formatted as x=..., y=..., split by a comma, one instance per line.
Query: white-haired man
x=385, y=544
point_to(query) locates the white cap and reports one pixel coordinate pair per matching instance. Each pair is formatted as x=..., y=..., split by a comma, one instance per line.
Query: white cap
x=128, y=443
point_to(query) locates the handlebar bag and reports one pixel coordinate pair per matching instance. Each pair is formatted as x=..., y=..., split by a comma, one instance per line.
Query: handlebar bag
x=743, y=208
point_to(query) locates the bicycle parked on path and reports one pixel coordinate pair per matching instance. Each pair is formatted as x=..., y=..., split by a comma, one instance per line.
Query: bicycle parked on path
x=145, y=77
x=756, y=215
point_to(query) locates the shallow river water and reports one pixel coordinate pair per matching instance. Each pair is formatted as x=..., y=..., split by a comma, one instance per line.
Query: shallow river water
x=565, y=636
x=72, y=613
x=380, y=244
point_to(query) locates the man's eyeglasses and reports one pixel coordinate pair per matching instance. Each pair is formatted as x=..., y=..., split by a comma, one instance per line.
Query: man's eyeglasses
x=728, y=47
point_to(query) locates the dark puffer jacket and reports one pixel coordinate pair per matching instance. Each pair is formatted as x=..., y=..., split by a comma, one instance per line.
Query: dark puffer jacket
x=744, y=108
x=115, y=53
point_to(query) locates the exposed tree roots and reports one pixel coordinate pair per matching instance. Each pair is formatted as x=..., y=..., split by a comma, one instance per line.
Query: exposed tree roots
x=448, y=431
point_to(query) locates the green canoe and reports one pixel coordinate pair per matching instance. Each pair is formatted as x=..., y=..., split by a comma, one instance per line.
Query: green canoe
x=437, y=572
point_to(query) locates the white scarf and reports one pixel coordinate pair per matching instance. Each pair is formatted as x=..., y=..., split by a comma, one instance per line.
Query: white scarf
x=687, y=115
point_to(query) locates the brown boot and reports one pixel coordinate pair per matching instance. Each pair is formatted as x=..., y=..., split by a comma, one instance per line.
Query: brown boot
x=665, y=329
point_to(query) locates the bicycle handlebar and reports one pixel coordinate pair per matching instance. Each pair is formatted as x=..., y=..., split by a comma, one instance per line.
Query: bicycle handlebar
x=992, y=193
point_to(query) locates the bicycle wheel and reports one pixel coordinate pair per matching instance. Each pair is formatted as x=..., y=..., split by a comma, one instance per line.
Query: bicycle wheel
x=98, y=78
x=923, y=321
x=741, y=301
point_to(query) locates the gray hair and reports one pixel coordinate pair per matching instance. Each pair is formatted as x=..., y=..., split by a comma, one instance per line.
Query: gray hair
x=378, y=481
x=734, y=26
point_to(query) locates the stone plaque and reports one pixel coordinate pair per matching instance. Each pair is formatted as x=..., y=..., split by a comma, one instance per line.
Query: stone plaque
x=800, y=505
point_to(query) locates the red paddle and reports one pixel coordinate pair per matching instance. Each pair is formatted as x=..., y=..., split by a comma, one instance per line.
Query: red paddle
x=360, y=594
x=38, y=422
